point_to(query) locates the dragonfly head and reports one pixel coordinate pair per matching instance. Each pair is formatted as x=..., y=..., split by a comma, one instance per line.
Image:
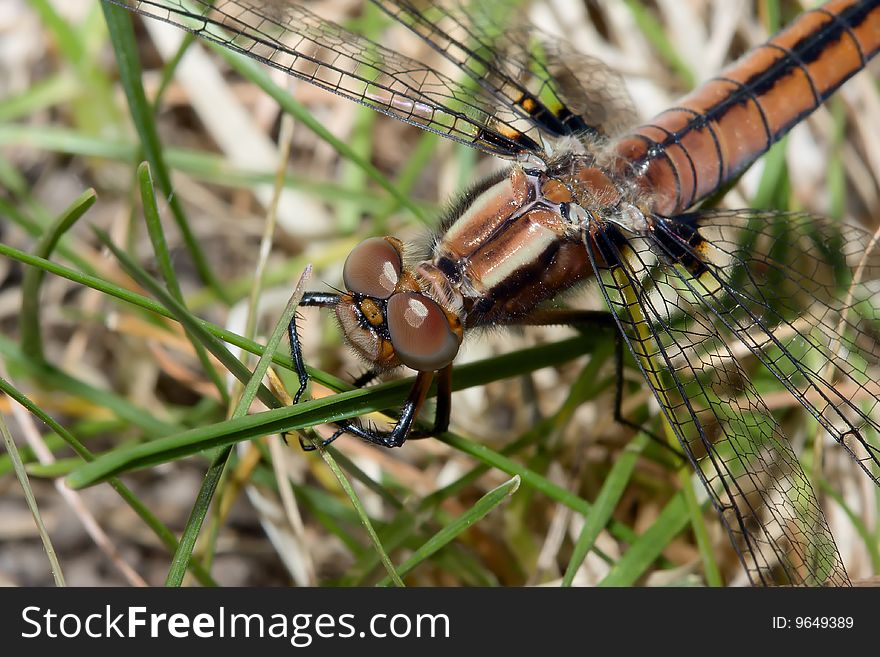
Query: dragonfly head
x=394, y=316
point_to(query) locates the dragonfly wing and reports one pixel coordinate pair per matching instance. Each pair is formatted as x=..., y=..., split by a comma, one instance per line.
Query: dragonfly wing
x=541, y=79
x=801, y=294
x=289, y=37
x=743, y=460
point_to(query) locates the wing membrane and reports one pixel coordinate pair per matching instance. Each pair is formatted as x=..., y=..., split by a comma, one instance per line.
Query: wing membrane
x=520, y=87
x=747, y=467
x=289, y=37
x=800, y=293
x=540, y=78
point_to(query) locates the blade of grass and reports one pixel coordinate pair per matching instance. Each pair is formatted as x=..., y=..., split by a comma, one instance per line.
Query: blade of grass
x=361, y=512
x=585, y=387
x=163, y=258
x=484, y=505
x=698, y=523
x=870, y=541
x=206, y=167
x=364, y=479
x=27, y=454
x=162, y=532
x=183, y=554
x=647, y=548
x=533, y=480
x=229, y=493
x=148, y=304
x=280, y=331
x=36, y=229
x=771, y=193
x=215, y=472
x=306, y=414
x=41, y=95
x=657, y=36
x=29, y=318
x=54, y=379
x=186, y=319
x=605, y=503
x=94, y=108
x=122, y=37
x=20, y=473
x=406, y=181
x=54, y=470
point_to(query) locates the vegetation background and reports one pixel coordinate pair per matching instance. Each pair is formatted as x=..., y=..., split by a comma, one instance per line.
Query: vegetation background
x=536, y=486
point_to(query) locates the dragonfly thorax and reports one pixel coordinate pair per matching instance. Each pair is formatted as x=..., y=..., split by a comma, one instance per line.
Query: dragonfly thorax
x=517, y=240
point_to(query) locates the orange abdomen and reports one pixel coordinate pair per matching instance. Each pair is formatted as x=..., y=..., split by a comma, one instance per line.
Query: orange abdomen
x=713, y=134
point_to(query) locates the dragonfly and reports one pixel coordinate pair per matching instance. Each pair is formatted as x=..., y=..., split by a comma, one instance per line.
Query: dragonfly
x=592, y=196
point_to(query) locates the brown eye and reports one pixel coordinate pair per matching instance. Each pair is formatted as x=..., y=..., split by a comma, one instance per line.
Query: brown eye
x=372, y=268
x=420, y=332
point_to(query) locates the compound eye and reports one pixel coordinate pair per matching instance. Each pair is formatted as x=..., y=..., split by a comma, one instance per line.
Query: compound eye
x=373, y=268
x=420, y=332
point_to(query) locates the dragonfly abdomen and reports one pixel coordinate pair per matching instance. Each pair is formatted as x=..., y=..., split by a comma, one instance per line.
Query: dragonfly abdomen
x=689, y=151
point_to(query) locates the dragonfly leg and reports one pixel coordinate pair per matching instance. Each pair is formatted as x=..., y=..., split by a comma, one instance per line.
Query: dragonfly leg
x=583, y=319
x=618, y=402
x=370, y=375
x=322, y=300
x=398, y=434
x=444, y=401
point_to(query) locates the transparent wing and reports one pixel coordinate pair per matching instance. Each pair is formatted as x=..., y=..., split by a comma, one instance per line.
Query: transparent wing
x=679, y=331
x=519, y=87
x=800, y=293
x=536, y=76
x=289, y=37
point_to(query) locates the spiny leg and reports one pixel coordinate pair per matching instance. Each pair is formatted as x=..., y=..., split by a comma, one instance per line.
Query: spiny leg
x=321, y=300
x=592, y=318
x=365, y=378
x=443, y=409
x=397, y=435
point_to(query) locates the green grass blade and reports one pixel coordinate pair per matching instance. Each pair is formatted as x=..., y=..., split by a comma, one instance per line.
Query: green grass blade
x=533, y=480
x=645, y=550
x=872, y=545
x=361, y=512
x=20, y=473
x=162, y=532
x=163, y=258
x=656, y=35
x=148, y=304
x=612, y=489
x=53, y=378
x=183, y=554
x=29, y=319
x=187, y=320
x=41, y=95
x=93, y=105
x=698, y=524
x=215, y=169
x=124, y=45
x=484, y=505
x=327, y=410
x=215, y=472
x=364, y=479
